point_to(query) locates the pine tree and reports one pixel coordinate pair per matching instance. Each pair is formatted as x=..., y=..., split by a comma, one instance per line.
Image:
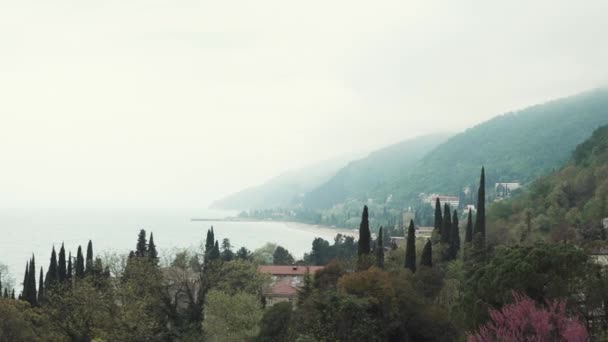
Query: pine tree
x=52, y=273
x=364, y=234
x=479, y=234
x=426, y=259
x=152, y=253
x=61, y=270
x=69, y=271
x=455, y=237
x=89, y=260
x=447, y=224
x=226, y=252
x=380, y=250
x=410, y=248
x=438, y=217
x=41, y=288
x=468, y=235
x=141, y=250
x=79, y=267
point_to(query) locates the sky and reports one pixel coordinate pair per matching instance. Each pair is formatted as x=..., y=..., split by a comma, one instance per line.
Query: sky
x=175, y=103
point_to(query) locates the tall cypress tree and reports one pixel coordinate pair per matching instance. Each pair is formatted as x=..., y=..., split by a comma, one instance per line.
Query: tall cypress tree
x=215, y=251
x=61, y=270
x=455, y=237
x=447, y=224
x=468, y=234
x=480, y=219
x=152, y=253
x=26, y=284
x=438, y=217
x=31, y=286
x=364, y=234
x=52, y=275
x=426, y=259
x=89, y=265
x=410, y=248
x=79, y=269
x=380, y=250
x=141, y=250
x=13, y=294
x=40, y=288
x=69, y=271
x=6, y=293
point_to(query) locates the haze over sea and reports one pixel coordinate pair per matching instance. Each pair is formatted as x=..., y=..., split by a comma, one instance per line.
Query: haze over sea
x=24, y=232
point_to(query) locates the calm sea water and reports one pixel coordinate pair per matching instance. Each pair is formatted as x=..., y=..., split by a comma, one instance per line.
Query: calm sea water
x=25, y=232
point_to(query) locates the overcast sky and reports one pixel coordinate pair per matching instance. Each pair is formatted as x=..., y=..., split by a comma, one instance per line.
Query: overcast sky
x=174, y=103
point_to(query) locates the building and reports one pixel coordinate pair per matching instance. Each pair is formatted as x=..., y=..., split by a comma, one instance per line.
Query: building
x=470, y=207
x=407, y=216
x=507, y=186
x=605, y=223
x=453, y=201
x=285, y=282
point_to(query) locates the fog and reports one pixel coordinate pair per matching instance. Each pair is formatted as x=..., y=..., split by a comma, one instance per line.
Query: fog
x=175, y=103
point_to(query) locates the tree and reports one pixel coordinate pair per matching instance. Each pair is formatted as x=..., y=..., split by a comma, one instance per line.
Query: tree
x=79, y=271
x=306, y=290
x=69, y=271
x=321, y=252
x=410, y=248
x=523, y=320
x=209, y=241
x=427, y=255
x=480, y=219
x=89, y=260
x=468, y=235
x=281, y=256
x=30, y=293
x=52, y=275
x=141, y=249
x=274, y=326
x=227, y=254
x=438, y=217
x=243, y=254
x=380, y=250
x=364, y=240
x=215, y=251
x=454, y=237
x=231, y=317
x=152, y=252
x=41, y=288
x=447, y=224
x=61, y=268
x=23, y=295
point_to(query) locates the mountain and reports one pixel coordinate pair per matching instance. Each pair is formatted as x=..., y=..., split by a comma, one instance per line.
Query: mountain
x=359, y=178
x=569, y=204
x=518, y=146
x=282, y=190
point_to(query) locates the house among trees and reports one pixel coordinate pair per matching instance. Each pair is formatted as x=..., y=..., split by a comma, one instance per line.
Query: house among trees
x=453, y=201
x=503, y=190
x=286, y=282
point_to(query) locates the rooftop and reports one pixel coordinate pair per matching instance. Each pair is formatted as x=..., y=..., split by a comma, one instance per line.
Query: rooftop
x=288, y=269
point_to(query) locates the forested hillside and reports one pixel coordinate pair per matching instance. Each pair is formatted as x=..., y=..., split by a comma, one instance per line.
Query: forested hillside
x=283, y=189
x=567, y=205
x=361, y=177
x=518, y=146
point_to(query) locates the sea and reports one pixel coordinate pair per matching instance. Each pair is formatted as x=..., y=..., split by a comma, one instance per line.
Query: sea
x=24, y=233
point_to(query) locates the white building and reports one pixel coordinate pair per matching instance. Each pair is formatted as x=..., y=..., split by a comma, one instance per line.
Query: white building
x=605, y=223
x=453, y=201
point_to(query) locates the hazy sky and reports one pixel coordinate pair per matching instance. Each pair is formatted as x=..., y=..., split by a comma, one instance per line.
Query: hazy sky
x=174, y=103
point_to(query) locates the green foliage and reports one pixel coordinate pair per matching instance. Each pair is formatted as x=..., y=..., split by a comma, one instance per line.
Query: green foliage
x=232, y=317
x=281, y=256
x=364, y=234
x=410, y=248
x=274, y=326
x=380, y=250
x=427, y=255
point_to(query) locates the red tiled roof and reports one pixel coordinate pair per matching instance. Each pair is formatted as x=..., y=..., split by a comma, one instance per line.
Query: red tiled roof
x=289, y=270
x=283, y=287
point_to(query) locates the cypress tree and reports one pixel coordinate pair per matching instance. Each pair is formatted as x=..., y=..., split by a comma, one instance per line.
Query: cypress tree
x=31, y=286
x=215, y=251
x=52, y=273
x=68, y=273
x=26, y=277
x=426, y=259
x=447, y=224
x=13, y=294
x=79, y=267
x=364, y=234
x=141, y=249
x=61, y=270
x=0, y=282
x=152, y=253
x=410, y=248
x=455, y=237
x=380, y=250
x=468, y=234
x=210, y=241
x=6, y=293
x=480, y=219
x=89, y=260
x=438, y=217
x=40, y=288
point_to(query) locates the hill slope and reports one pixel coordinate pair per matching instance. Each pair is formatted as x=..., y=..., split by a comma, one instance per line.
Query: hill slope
x=283, y=189
x=519, y=146
x=568, y=204
x=359, y=178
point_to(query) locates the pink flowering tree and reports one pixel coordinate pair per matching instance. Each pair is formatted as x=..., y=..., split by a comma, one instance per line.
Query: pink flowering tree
x=523, y=320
